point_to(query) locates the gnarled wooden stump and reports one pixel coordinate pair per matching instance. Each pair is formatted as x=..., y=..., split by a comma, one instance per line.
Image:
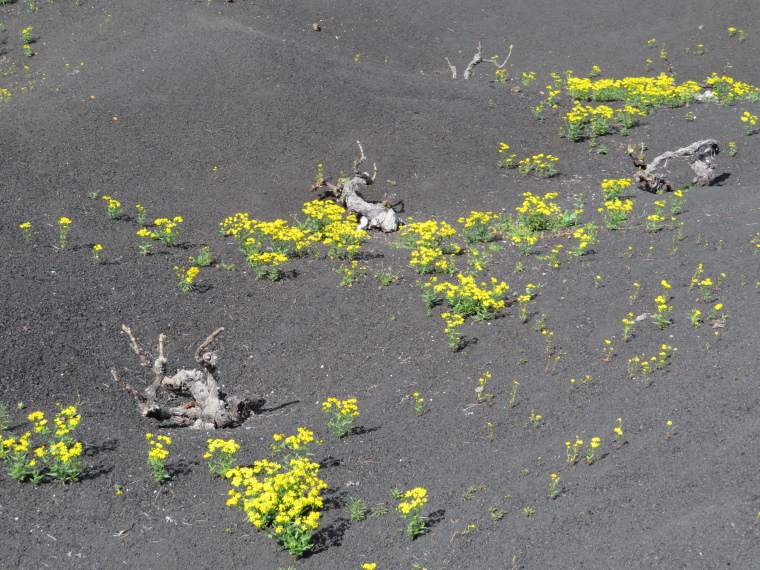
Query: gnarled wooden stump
x=209, y=409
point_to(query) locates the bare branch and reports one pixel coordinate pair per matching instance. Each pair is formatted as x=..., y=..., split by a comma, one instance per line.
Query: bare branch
x=476, y=59
x=452, y=68
x=198, y=358
x=133, y=343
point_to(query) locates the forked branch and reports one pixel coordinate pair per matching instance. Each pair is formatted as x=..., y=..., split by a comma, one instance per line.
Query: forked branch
x=478, y=58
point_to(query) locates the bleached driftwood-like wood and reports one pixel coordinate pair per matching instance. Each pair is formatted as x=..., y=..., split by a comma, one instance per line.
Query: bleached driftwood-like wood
x=210, y=408
x=371, y=214
x=477, y=58
x=700, y=155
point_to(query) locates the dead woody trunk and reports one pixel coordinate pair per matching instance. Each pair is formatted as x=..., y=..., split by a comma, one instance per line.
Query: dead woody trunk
x=701, y=156
x=371, y=214
x=209, y=408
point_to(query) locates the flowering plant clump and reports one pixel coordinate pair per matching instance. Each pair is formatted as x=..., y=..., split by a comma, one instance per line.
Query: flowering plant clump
x=204, y=257
x=114, y=207
x=26, y=228
x=285, y=504
x=543, y=165
x=453, y=322
x=266, y=264
x=27, y=35
x=295, y=446
x=586, y=236
x=18, y=464
x=618, y=431
x=728, y=90
x=553, y=490
x=750, y=121
x=410, y=508
x=507, y=161
x=522, y=237
x=615, y=212
x=426, y=259
x=343, y=238
x=165, y=230
x=480, y=391
x=140, y=214
x=431, y=233
x=478, y=227
x=220, y=455
x=319, y=215
x=467, y=298
x=186, y=277
x=614, y=188
x=63, y=228
x=538, y=214
x=342, y=415
x=591, y=449
x=351, y=273
x=157, y=454
x=573, y=450
x=96, y=249
x=62, y=454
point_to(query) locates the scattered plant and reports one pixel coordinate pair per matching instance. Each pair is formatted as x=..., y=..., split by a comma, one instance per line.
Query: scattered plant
x=410, y=508
x=157, y=454
x=221, y=455
x=341, y=415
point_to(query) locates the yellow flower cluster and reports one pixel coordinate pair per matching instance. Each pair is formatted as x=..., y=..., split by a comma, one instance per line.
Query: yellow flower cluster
x=614, y=188
x=427, y=259
x=641, y=92
x=64, y=453
x=344, y=408
x=430, y=255
x=409, y=508
x=543, y=165
x=573, y=449
x=343, y=238
x=507, y=161
x=114, y=207
x=61, y=455
x=429, y=233
x=615, y=212
x=165, y=231
x=285, y=504
x=299, y=444
x=467, y=298
x=156, y=444
x=412, y=500
x=750, y=120
x=728, y=90
x=538, y=214
x=220, y=455
x=222, y=446
x=65, y=421
x=186, y=277
x=320, y=214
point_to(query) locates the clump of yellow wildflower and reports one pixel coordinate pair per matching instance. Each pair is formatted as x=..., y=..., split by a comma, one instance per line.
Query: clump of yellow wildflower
x=221, y=455
x=285, y=504
x=342, y=414
x=157, y=454
x=410, y=508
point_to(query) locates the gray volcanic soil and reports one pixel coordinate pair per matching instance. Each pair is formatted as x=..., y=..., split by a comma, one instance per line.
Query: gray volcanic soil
x=203, y=109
